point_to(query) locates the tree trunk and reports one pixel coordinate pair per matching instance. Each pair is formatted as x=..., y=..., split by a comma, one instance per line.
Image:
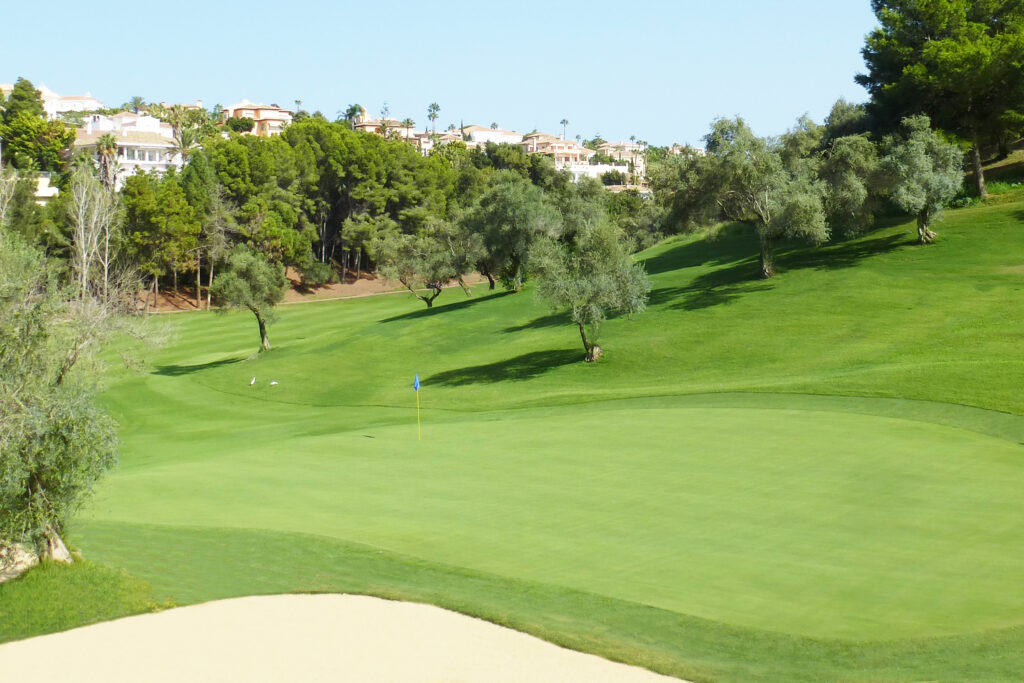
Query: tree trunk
x=264, y=339
x=209, y=285
x=490, y=278
x=465, y=287
x=924, y=235
x=583, y=336
x=199, y=284
x=767, y=258
x=175, y=279
x=55, y=548
x=979, y=173
x=1004, y=147
x=359, y=263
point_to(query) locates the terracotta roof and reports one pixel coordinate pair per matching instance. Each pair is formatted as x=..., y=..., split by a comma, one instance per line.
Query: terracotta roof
x=124, y=137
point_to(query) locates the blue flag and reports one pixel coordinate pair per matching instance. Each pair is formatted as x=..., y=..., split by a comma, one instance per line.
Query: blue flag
x=416, y=382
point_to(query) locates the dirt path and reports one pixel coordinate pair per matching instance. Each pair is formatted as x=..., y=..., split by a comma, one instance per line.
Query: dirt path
x=367, y=285
x=307, y=638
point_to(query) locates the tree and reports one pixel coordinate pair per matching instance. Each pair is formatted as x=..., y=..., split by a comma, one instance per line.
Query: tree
x=93, y=212
x=353, y=113
x=850, y=170
x=55, y=440
x=563, y=123
x=8, y=184
x=424, y=260
x=408, y=123
x=926, y=173
x=432, y=111
x=239, y=124
x=136, y=104
x=743, y=178
x=106, y=155
x=184, y=128
x=593, y=276
x=957, y=61
x=24, y=99
x=254, y=283
x=33, y=143
x=510, y=218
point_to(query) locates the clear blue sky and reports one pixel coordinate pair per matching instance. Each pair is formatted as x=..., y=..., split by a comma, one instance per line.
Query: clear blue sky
x=659, y=70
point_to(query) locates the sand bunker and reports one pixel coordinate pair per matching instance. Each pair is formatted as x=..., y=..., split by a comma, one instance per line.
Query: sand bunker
x=306, y=638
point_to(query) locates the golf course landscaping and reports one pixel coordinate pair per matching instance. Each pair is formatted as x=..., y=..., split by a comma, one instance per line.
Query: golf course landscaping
x=816, y=477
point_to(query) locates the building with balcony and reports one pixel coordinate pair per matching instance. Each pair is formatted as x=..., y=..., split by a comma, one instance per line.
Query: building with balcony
x=564, y=152
x=268, y=119
x=144, y=143
x=634, y=154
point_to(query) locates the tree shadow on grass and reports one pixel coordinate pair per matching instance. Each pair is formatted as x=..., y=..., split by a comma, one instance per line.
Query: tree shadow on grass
x=713, y=288
x=438, y=309
x=179, y=370
x=842, y=254
x=725, y=245
x=526, y=366
x=725, y=284
x=550, y=320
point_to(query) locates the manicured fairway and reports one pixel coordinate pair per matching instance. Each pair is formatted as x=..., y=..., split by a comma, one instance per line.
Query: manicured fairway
x=814, y=478
x=816, y=523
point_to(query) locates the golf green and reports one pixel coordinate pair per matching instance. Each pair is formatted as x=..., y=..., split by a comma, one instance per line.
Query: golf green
x=821, y=523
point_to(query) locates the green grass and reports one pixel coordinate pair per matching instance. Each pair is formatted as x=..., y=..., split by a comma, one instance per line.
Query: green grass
x=812, y=478
x=56, y=597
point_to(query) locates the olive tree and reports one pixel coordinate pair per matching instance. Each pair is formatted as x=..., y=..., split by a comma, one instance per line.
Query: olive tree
x=925, y=171
x=55, y=440
x=743, y=178
x=440, y=251
x=251, y=282
x=593, y=276
x=509, y=218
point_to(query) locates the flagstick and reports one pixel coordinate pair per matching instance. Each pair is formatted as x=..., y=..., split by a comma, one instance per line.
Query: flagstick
x=419, y=435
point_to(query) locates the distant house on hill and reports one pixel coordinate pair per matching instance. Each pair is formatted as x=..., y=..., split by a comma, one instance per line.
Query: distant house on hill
x=144, y=143
x=564, y=152
x=480, y=135
x=54, y=105
x=268, y=119
x=631, y=153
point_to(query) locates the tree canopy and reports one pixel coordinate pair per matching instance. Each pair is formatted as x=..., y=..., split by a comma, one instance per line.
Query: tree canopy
x=957, y=61
x=251, y=282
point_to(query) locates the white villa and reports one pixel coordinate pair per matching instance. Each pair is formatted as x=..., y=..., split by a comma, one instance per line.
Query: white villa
x=144, y=143
x=54, y=105
x=564, y=152
x=595, y=171
x=481, y=135
x=269, y=119
x=632, y=153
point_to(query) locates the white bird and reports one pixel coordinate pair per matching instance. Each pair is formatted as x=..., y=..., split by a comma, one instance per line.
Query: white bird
x=273, y=384
x=252, y=382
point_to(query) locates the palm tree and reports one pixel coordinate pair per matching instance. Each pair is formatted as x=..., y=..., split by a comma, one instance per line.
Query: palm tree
x=563, y=123
x=353, y=113
x=183, y=129
x=408, y=124
x=106, y=153
x=432, y=111
x=494, y=126
x=135, y=104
